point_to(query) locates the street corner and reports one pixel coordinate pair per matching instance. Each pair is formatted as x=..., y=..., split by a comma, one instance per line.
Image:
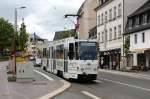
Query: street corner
x=44, y=86
x=55, y=81
x=58, y=91
x=59, y=84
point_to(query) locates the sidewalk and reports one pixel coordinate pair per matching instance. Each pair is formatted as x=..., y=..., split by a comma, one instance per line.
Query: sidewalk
x=44, y=87
x=140, y=75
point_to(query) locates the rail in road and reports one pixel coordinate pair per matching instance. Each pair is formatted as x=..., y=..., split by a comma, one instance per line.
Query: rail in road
x=109, y=86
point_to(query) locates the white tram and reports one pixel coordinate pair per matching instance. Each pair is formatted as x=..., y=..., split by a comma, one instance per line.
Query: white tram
x=72, y=59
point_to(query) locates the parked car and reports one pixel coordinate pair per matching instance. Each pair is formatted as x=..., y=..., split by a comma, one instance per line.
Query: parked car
x=38, y=62
x=31, y=58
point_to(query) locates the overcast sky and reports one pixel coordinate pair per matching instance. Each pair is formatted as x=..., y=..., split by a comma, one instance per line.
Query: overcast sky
x=43, y=17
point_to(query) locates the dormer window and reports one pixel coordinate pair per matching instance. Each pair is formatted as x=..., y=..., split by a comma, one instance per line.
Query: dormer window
x=137, y=21
x=130, y=23
x=145, y=18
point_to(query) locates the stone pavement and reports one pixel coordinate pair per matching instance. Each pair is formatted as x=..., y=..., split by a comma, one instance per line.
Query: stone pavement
x=31, y=90
x=3, y=79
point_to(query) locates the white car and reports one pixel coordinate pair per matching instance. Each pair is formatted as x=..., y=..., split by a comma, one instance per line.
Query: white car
x=38, y=62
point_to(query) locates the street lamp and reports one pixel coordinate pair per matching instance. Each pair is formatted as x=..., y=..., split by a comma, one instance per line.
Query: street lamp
x=22, y=7
x=76, y=25
x=14, y=38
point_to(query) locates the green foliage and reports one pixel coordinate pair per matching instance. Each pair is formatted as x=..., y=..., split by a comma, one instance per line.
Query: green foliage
x=6, y=34
x=39, y=52
x=23, y=37
x=66, y=34
x=126, y=45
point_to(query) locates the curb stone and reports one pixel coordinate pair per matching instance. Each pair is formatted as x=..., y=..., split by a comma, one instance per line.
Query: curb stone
x=57, y=91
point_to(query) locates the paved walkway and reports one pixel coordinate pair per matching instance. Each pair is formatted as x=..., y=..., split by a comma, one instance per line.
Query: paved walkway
x=42, y=86
x=4, y=89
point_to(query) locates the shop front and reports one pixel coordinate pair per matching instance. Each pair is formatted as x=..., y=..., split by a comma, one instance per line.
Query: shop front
x=141, y=59
x=110, y=59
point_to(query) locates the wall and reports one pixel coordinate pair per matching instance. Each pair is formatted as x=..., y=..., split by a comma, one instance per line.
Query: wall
x=119, y=21
x=131, y=6
x=140, y=44
x=88, y=19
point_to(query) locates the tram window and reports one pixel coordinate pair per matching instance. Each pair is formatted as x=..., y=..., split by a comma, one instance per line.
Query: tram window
x=76, y=50
x=71, y=51
x=44, y=52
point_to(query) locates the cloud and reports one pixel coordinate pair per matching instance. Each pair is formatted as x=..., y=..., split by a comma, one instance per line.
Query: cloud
x=43, y=17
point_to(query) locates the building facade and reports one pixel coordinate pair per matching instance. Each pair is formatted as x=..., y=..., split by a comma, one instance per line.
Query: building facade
x=138, y=30
x=87, y=19
x=111, y=22
x=35, y=45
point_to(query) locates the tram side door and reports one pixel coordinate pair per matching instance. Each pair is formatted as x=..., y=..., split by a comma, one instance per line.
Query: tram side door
x=65, y=60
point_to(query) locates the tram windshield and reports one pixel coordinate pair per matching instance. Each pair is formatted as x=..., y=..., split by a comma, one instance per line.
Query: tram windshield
x=87, y=50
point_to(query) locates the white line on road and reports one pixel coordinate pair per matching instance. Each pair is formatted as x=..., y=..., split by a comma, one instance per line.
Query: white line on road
x=133, y=86
x=136, y=75
x=90, y=95
x=47, y=77
x=57, y=91
x=98, y=81
x=65, y=86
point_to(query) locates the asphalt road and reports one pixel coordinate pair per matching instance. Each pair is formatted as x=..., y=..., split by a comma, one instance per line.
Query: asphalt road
x=109, y=86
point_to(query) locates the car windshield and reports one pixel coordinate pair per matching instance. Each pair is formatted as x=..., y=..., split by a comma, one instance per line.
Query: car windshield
x=87, y=50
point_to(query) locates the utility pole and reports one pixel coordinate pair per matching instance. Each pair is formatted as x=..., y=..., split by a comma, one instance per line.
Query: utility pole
x=14, y=38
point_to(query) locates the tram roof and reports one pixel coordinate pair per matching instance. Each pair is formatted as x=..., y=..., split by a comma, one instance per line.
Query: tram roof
x=69, y=40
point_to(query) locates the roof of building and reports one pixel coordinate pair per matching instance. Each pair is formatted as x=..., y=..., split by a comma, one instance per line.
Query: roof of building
x=34, y=36
x=103, y=5
x=142, y=9
x=136, y=29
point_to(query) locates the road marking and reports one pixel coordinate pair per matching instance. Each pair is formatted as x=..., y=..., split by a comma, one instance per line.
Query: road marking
x=136, y=75
x=90, y=95
x=47, y=77
x=65, y=86
x=98, y=81
x=133, y=86
x=57, y=91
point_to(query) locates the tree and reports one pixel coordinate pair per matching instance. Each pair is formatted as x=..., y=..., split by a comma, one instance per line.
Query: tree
x=23, y=37
x=6, y=34
x=126, y=45
x=66, y=34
